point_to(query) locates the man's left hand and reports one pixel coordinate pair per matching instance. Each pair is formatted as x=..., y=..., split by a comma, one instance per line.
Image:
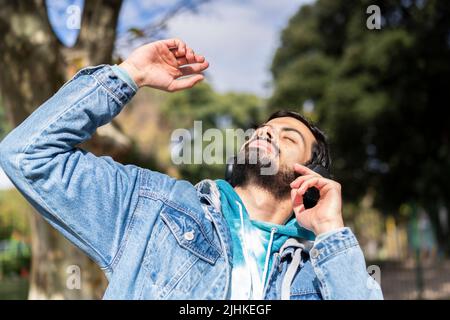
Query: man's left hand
x=326, y=215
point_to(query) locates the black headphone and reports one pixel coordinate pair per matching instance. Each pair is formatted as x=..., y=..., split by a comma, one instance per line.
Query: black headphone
x=311, y=196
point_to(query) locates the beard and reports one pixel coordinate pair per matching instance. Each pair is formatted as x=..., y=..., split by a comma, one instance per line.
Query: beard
x=248, y=167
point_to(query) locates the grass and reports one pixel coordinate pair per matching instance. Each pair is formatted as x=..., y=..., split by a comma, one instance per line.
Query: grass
x=13, y=289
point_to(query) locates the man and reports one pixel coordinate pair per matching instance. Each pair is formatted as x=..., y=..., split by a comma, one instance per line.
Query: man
x=160, y=238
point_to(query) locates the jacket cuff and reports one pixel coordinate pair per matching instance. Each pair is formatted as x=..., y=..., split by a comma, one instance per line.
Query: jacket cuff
x=331, y=244
x=124, y=76
x=104, y=74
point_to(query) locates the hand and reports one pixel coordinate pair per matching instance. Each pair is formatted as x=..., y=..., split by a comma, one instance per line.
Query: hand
x=159, y=65
x=326, y=215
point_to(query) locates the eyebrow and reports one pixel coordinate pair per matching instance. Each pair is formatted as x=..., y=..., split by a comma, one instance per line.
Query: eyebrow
x=294, y=130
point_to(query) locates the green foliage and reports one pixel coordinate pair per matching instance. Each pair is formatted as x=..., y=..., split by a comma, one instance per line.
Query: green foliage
x=380, y=95
x=4, y=127
x=13, y=217
x=15, y=251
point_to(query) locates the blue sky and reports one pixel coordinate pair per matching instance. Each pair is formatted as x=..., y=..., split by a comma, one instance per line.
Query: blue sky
x=238, y=37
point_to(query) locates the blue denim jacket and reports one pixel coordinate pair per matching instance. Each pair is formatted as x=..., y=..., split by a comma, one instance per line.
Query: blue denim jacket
x=155, y=237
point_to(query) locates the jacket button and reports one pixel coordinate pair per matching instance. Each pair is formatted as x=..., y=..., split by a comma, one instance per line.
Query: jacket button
x=314, y=253
x=189, y=236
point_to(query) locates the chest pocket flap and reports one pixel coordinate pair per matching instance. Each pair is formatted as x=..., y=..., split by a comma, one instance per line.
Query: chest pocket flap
x=189, y=234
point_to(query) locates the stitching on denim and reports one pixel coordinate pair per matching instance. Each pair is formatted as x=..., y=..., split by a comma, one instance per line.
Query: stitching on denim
x=321, y=277
x=51, y=210
x=106, y=87
x=182, y=271
x=128, y=230
x=169, y=225
x=174, y=205
x=324, y=258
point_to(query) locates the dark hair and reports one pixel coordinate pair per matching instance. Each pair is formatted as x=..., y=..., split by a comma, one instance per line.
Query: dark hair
x=320, y=149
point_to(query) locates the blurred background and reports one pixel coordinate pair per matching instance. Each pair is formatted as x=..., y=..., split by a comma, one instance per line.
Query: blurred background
x=375, y=79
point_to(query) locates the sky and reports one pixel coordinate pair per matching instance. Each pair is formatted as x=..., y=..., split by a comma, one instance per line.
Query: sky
x=237, y=37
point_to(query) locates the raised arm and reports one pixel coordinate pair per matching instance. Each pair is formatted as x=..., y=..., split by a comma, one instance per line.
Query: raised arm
x=90, y=199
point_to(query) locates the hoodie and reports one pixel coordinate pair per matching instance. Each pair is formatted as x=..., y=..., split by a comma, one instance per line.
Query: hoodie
x=254, y=243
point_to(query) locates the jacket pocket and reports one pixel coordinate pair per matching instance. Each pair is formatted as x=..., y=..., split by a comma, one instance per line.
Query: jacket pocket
x=177, y=256
x=305, y=285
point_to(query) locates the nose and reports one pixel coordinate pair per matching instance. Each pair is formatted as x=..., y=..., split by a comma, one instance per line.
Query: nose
x=266, y=132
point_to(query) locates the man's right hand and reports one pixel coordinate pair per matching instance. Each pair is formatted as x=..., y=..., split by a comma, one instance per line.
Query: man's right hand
x=159, y=65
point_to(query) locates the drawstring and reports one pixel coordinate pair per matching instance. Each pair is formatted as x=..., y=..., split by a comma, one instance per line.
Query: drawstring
x=245, y=252
x=266, y=264
x=293, y=267
x=244, y=245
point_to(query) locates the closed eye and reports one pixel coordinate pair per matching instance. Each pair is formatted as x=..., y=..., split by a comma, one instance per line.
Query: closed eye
x=291, y=139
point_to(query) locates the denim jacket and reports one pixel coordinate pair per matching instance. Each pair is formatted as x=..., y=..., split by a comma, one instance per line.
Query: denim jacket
x=155, y=237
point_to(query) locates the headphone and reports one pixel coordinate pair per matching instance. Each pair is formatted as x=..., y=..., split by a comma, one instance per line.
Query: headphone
x=311, y=196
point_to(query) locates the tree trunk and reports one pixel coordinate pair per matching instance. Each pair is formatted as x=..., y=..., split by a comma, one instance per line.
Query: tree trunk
x=34, y=65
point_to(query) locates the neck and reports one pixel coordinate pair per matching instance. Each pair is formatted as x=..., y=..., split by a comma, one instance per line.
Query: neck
x=261, y=205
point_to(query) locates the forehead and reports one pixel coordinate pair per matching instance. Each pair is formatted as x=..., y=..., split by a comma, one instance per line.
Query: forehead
x=289, y=122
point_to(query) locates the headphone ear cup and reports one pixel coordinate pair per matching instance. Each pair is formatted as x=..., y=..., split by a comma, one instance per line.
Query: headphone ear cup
x=312, y=195
x=321, y=170
x=229, y=169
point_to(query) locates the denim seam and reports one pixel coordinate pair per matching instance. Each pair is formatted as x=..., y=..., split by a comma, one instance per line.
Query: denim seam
x=304, y=292
x=107, y=88
x=174, y=205
x=324, y=258
x=128, y=229
x=184, y=245
x=30, y=183
x=216, y=284
x=183, y=270
x=321, y=276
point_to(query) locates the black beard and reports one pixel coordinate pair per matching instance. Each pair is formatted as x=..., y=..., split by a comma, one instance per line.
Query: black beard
x=247, y=173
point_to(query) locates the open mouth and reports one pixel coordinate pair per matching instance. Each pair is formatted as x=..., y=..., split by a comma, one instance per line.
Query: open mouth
x=264, y=144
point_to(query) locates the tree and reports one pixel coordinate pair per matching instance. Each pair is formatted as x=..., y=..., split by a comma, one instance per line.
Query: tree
x=35, y=63
x=379, y=94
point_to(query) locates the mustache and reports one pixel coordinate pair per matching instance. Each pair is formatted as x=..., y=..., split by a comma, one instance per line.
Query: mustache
x=272, y=143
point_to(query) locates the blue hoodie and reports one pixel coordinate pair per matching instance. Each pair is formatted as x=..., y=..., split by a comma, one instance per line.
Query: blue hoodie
x=254, y=243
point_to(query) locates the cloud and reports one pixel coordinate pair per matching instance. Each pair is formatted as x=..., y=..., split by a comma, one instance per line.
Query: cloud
x=5, y=183
x=238, y=38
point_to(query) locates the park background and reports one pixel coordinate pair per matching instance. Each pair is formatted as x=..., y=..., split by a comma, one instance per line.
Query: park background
x=380, y=95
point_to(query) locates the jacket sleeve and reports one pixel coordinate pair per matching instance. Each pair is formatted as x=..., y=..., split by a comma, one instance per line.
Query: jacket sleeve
x=89, y=199
x=340, y=267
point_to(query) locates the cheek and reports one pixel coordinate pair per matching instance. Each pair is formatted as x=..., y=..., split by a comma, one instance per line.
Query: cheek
x=289, y=156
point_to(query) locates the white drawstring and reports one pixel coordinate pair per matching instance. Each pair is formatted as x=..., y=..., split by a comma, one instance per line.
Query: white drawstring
x=245, y=252
x=244, y=245
x=266, y=264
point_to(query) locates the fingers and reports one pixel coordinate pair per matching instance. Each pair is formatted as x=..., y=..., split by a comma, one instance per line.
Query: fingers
x=185, y=83
x=183, y=54
x=177, y=46
x=194, y=68
x=303, y=183
x=190, y=56
x=297, y=201
x=197, y=59
x=302, y=215
x=303, y=169
x=297, y=182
